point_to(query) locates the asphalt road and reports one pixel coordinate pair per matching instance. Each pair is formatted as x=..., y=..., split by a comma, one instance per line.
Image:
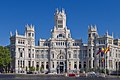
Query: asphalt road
x=50, y=77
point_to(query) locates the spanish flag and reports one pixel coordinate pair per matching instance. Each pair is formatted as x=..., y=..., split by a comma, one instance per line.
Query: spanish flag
x=101, y=51
x=107, y=49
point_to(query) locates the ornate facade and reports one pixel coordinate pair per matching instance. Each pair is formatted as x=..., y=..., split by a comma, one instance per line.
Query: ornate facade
x=61, y=53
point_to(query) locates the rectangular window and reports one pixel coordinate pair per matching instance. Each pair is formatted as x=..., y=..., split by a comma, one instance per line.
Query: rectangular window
x=60, y=21
x=29, y=55
x=21, y=54
x=21, y=63
x=32, y=63
x=18, y=63
x=60, y=26
x=29, y=34
x=32, y=55
x=53, y=65
x=69, y=55
x=28, y=63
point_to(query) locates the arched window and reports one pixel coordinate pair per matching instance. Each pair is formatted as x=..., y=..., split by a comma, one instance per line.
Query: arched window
x=53, y=55
x=61, y=57
x=60, y=35
x=69, y=55
x=75, y=65
x=21, y=54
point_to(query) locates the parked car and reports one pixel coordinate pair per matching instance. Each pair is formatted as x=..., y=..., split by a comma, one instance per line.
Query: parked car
x=91, y=74
x=72, y=74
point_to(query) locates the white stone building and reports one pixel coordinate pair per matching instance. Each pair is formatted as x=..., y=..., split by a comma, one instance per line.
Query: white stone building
x=61, y=53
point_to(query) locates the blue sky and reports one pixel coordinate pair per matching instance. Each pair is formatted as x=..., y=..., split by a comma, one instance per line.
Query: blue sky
x=15, y=14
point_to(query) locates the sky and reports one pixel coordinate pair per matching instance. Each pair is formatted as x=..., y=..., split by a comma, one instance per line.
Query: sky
x=15, y=14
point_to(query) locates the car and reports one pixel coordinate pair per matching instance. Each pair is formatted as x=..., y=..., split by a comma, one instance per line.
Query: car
x=91, y=74
x=83, y=75
x=72, y=74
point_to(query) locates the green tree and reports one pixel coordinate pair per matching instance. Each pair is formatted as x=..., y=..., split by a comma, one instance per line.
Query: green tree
x=37, y=69
x=4, y=58
x=32, y=68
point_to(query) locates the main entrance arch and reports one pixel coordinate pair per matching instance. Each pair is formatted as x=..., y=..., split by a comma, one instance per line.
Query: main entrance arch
x=61, y=63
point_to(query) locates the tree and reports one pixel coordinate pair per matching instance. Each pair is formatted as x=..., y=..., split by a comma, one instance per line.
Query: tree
x=37, y=69
x=4, y=58
x=32, y=69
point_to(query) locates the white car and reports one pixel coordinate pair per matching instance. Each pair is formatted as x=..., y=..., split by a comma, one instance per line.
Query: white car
x=91, y=74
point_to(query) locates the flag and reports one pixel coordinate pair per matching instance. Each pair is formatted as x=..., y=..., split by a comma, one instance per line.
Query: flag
x=107, y=49
x=98, y=52
x=101, y=51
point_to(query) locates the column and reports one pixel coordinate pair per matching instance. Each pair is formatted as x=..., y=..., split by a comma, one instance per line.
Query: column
x=67, y=66
x=39, y=66
x=77, y=65
x=44, y=65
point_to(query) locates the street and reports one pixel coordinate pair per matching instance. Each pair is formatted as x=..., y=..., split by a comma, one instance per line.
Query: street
x=49, y=77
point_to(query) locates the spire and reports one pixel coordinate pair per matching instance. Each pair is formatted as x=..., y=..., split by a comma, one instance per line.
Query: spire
x=63, y=10
x=107, y=33
x=57, y=11
x=16, y=32
x=10, y=34
x=112, y=34
x=95, y=27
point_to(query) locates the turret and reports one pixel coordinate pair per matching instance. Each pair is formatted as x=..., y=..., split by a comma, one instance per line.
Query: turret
x=92, y=32
x=30, y=31
x=60, y=19
x=30, y=34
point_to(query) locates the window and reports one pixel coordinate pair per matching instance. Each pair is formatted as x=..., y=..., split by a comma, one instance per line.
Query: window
x=93, y=34
x=29, y=55
x=47, y=66
x=89, y=35
x=75, y=56
x=18, y=63
x=84, y=65
x=32, y=55
x=75, y=65
x=60, y=26
x=42, y=55
x=21, y=64
x=79, y=65
x=21, y=54
x=60, y=35
x=53, y=65
x=29, y=34
x=69, y=65
x=46, y=55
x=37, y=55
x=53, y=55
x=42, y=65
x=28, y=63
x=69, y=55
x=60, y=21
x=32, y=63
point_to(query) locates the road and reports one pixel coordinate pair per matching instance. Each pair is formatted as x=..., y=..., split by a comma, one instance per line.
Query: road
x=49, y=77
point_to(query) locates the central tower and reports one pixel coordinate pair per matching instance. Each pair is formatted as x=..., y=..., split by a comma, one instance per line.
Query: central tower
x=60, y=19
x=60, y=30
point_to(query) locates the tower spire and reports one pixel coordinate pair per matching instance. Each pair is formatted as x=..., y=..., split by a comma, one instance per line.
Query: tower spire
x=16, y=32
x=10, y=34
